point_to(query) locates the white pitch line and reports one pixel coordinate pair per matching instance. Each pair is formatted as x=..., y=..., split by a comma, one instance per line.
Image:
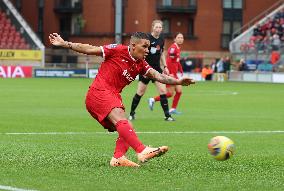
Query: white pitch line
x=212, y=132
x=2, y=187
x=215, y=93
x=147, y=132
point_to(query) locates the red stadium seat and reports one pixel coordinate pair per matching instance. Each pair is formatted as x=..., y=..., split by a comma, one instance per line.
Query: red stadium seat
x=7, y=27
x=8, y=22
x=17, y=39
x=5, y=34
x=3, y=40
x=17, y=34
x=10, y=37
x=12, y=29
x=22, y=40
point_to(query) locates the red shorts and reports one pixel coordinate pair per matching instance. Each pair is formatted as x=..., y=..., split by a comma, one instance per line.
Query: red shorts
x=99, y=104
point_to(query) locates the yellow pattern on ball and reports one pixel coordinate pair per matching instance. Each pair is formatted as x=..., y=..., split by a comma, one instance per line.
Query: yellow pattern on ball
x=221, y=148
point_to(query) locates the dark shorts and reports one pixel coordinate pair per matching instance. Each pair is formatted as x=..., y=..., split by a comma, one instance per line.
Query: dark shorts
x=100, y=103
x=146, y=80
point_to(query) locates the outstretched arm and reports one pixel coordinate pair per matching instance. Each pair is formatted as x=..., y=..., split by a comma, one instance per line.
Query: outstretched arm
x=56, y=40
x=165, y=79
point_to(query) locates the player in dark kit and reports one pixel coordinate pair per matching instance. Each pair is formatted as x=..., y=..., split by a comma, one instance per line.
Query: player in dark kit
x=174, y=66
x=156, y=60
x=103, y=101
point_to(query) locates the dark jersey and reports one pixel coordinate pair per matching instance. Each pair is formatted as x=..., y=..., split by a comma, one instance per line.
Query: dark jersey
x=155, y=50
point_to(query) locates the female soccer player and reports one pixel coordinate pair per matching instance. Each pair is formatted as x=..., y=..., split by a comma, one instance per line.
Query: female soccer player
x=103, y=101
x=174, y=66
x=156, y=59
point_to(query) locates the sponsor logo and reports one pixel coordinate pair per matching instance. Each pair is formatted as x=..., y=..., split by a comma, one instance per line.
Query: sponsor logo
x=15, y=71
x=158, y=47
x=111, y=46
x=20, y=55
x=127, y=75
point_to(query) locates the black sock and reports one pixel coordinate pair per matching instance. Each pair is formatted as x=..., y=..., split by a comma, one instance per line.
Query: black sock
x=135, y=102
x=165, y=105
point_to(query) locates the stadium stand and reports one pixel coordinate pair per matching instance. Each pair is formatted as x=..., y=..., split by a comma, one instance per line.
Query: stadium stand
x=263, y=41
x=19, y=45
x=244, y=34
x=10, y=37
x=268, y=35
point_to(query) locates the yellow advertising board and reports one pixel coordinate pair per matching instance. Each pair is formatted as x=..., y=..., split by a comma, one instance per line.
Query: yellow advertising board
x=20, y=54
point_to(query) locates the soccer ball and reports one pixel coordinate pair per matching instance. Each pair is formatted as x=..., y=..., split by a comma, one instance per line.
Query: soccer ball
x=221, y=148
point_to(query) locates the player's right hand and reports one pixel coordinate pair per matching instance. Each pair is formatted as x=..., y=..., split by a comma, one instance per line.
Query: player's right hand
x=187, y=81
x=56, y=40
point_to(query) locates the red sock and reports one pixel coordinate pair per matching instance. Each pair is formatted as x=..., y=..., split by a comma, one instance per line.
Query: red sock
x=158, y=98
x=127, y=133
x=176, y=100
x=120, y=148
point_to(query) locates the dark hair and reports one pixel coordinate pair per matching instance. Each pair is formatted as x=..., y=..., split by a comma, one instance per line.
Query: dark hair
x=140, y=35
x=178, y=34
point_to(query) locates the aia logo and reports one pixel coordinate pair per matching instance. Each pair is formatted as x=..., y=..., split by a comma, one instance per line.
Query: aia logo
x=127, y=75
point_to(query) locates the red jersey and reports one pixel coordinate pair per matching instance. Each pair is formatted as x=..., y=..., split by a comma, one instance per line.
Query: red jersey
x=173, y=59
x=118, y=69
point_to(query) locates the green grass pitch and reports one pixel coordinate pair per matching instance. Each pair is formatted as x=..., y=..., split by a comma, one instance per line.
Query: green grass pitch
x=251, y=114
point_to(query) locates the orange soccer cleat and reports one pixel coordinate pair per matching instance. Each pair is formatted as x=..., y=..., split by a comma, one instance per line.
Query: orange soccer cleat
x=149, y=153
x=122, y=161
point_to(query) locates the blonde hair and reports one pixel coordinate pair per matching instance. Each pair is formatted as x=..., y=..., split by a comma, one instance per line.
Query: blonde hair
x=155, y=22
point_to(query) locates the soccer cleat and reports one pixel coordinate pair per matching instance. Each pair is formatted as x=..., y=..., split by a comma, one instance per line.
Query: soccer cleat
x=174, y=111
x=131, y=117
x=151, y=102
x=169, y=118
x=122, y=161
x=149, y=153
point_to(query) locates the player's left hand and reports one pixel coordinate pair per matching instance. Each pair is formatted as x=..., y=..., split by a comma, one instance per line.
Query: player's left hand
x=187, y=81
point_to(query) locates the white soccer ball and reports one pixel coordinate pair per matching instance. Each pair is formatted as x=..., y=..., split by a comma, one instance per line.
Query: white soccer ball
x=221, y=148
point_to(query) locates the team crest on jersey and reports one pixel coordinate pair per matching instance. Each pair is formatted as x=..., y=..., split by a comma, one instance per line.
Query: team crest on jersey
x=172, y=50
x=111, y=46
x=158, y=47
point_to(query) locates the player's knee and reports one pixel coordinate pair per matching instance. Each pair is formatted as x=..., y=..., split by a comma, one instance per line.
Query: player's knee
x=162, y=91
x=179, y=92
x=123, y=125
x=140, y=92
x=122, y=122
x=169, y=94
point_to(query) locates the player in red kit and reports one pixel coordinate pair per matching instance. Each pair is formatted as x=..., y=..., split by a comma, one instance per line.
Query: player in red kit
x=103, y=101
x=174, y=66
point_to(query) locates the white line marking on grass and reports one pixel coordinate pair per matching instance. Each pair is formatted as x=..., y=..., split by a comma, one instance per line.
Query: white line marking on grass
x=13, y=188
x=215, y=93
x=54, y=133
x=211, y=132
x=148, y=132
